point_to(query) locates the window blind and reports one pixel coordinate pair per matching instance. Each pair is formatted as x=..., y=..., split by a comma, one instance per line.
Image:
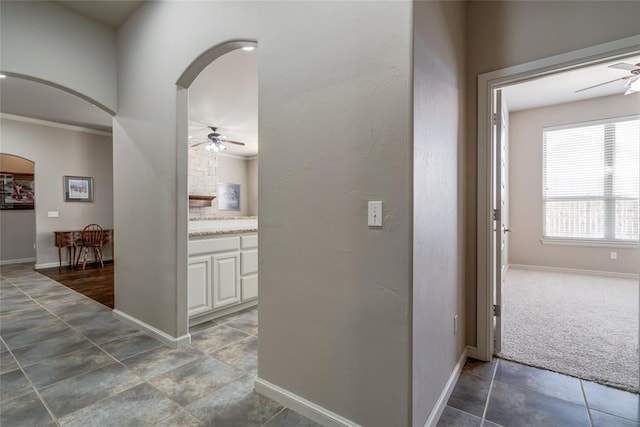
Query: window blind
x=591, y=182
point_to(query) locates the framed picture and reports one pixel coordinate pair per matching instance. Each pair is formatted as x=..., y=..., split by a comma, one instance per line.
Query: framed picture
x=78, y=189
x=228, y=197
x=17, y=191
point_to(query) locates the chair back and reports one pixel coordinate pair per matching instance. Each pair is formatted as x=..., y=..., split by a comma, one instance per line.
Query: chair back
x=92, y=235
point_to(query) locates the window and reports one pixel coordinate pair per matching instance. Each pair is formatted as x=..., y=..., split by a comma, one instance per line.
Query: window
x=591, y=181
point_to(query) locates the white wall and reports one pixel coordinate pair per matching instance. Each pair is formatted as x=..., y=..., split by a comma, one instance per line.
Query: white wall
x=505, y=33
x=526, y=186
x=334, y=294
x=58, y=152
x=44, y=41
x=438, y=205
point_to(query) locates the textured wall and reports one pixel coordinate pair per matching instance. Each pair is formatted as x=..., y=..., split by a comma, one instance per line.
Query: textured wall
x=334, y=129
x=438, y=203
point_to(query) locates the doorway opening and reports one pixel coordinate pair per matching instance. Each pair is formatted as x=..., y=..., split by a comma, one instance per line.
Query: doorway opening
x=515, y=232
x=221, y=199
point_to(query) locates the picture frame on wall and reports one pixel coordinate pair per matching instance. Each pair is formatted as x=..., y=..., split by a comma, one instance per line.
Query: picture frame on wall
x=228, y=197
x=17, y=191
x=78, y=188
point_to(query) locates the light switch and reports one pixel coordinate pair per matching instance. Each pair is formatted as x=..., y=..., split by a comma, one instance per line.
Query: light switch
x=375, y=214
x=53, y=214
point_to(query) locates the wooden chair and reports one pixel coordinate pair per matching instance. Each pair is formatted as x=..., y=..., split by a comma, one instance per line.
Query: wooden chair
x=91, y=237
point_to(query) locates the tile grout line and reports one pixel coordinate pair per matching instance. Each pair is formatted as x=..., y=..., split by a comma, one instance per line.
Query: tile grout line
x=586, y=404
x=486, y=404
x=275, y=415
x=35, y=389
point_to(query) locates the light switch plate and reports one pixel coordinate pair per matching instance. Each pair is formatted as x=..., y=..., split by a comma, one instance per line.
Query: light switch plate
x=53, y=214
x=375, y=214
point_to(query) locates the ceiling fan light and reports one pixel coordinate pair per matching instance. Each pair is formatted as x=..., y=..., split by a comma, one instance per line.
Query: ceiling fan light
x=222, y=147
x=248, y=48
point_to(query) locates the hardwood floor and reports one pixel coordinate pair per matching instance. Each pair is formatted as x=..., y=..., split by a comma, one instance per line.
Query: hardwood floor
x=95, y=282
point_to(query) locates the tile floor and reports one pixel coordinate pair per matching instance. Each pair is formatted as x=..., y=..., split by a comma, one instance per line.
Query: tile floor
x=503, y=393
x=64, y=360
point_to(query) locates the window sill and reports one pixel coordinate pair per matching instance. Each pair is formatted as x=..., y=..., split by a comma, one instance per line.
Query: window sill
x=589, y=243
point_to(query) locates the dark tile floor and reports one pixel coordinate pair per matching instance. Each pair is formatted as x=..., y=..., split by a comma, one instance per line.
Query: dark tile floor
x=503, y=393
x=65, y=361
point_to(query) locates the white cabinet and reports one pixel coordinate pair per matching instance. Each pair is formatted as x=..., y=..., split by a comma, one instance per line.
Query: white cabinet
x=226, y=279
x=200, y=286
x=223, y=274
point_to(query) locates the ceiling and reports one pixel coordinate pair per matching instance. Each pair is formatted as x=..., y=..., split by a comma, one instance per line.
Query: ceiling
x=40, y=101
x=109, y=12
x=560, y=87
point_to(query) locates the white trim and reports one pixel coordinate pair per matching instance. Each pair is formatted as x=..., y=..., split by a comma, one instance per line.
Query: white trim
x=575, y=271
x=300, y=405
x=252, y=157
x=53, y=124
x=437, y=410
x=585, y=123
x=487, y=83
x=170, y=341
x=17, y=261
x=57, y=264
x=590, y=243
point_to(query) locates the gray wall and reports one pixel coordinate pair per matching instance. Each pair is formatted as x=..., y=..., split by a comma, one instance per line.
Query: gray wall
x=18, y=230
x=47, y=42
x=58, y=152
x=334, y=294
x=505, y=33
x=526, y=186
x=438, y=205
x=17, y=227
x=252, y=183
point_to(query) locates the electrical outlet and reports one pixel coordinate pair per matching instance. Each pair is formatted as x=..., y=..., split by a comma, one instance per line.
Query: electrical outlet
x=613, y=255
x=455, y=324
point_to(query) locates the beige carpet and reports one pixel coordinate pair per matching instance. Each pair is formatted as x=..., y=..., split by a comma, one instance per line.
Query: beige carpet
x=581, y=325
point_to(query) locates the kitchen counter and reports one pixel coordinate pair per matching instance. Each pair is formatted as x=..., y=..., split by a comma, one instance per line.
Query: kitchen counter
x=219, y=226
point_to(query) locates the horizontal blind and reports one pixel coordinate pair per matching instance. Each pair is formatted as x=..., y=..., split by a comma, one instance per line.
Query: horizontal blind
x=591, y=180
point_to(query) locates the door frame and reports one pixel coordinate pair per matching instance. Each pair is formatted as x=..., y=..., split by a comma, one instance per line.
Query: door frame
x=488, y=83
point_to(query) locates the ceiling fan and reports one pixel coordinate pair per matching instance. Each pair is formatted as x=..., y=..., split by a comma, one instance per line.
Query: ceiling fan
x=216, y=141
x=633, y=79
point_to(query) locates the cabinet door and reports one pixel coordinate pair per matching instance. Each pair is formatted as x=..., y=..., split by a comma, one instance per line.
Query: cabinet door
x=249, y=287
x=199, y=294
x=226, y=279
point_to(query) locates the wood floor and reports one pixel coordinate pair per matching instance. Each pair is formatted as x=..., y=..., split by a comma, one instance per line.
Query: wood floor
x=95, y=282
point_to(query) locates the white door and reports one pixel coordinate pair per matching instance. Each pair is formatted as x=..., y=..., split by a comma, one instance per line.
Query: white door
x=501, y=212
x=226, y=279
x=199, y=282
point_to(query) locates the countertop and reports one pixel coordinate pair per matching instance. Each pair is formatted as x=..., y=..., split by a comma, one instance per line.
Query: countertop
x=201, y=233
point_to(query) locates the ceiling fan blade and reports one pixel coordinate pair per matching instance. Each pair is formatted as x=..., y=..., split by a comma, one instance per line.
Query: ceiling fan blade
x=199, y=143
x=224, y=141
x=599, y=84
x=624, y=66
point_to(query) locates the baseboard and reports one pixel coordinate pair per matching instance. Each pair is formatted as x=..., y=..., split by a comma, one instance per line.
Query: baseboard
x=472, y=352
x=575, y=271
x=301, y=406
x=170, y=341
x=437, y=410
x=196, y=320
x=17, y=261
x=57, y=264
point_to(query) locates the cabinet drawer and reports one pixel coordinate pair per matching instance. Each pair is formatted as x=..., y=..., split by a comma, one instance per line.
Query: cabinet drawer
x=249, y=242
x=219, y=244
x=249, y=287
x=249, y=262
